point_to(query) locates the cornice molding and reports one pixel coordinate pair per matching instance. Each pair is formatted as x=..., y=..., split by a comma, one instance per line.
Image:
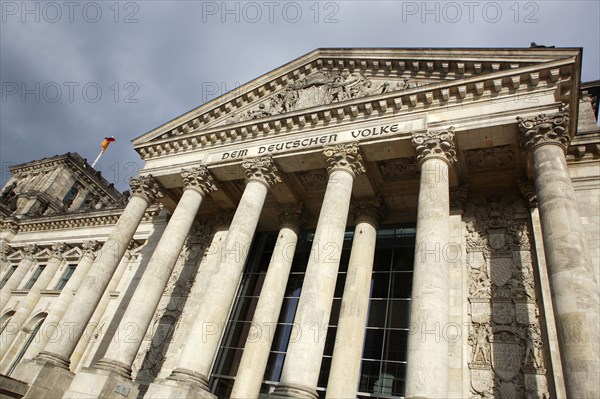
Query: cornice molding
x=550, y=74
x=444, y=61
x=74, y=221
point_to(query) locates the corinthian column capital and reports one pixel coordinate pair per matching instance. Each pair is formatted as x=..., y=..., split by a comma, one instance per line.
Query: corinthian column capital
x=146, y=187
x=58, y=249
x=89, y=248
x=292, y=216
x=344, y=157
x=368, y=209
x=199, y=179
x=435, y=144
x=262, y=169
x=29, y=250
x=545, y=129
x=5, y=250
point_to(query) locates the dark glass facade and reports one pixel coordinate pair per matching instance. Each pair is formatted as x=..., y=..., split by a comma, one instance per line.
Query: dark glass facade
x=384, y=353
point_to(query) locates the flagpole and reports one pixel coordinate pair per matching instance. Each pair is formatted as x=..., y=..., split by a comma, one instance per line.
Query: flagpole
x=97, y=158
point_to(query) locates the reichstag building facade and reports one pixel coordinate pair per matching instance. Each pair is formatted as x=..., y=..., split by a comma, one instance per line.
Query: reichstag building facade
x=358, y=223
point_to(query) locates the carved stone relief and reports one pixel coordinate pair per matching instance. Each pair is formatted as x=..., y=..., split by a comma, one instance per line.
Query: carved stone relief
x=492, y=158
x=399, y=169
x=322, y=88
x=152, y=356
x=506, y=357
x=315, y=179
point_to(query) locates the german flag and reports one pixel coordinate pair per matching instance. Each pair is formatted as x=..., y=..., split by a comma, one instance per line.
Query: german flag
x=106, y=142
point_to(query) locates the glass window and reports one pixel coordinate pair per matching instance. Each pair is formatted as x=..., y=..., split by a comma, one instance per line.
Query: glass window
x=65, y=277
x=7, y=275
x=377, y=312
x=386, y=336
x=34, y=278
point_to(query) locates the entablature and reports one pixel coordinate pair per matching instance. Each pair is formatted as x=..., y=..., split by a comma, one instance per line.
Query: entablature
x=521, y=85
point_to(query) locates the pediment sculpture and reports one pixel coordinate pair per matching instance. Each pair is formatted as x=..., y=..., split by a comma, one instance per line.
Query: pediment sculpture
x=321, y=88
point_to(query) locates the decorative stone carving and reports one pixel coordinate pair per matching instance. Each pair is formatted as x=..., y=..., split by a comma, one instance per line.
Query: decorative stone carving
x=199, y=179
x=9, y=193
x=29, y=250
x=545, y=129
x=533, y=360
x=527, y=188
x=10, y=225
x=507, y=352
x=399, y=169
x=321, y=88
x=223, y=220
x=292, y=216
x=458, y=197
x=5, y=250
x=435, y=144
x=146, y=187
x=262, y=169
x=479, y=339
x=314, y=179
x=344, y=157
x=58, y=249
x=368, y=209
x=490, y=158
x=504, y=316
x=89, y=248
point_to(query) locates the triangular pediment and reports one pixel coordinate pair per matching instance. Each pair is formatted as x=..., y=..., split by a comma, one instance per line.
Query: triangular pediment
x=327, y=77
x=74, y=253
x=322, y=87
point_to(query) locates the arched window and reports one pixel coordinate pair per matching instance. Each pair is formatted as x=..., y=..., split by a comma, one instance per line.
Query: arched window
x=33, y=328
x=5, y=319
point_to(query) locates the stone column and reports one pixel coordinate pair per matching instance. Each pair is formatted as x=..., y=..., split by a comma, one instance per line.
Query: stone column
x=77, y=357
x=144, y=191
x=4, y=263
x=427, y=365
x=198, y=182
x=13, y=282
x=573, y=286
x=7, y=353
x=302, y=365
x=260, y=338
x=61, y=304
x=344, y=373
x=193, y=370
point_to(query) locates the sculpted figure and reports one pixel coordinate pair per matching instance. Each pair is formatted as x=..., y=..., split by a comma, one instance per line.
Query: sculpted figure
x=479, y=339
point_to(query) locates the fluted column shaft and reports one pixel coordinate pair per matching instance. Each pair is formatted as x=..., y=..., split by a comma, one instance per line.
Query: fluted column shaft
x=137, y=317
x=344, y=373
x=302, y=365
x=144, y=192
x=258, y=344
x=16, y=278
x=427, y=364
x=80, y=350
x=60, y=306
x=26, y=306
x=573, y=285
x=203, y=341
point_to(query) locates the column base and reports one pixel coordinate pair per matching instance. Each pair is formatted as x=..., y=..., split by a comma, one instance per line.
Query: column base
x=174, y=389
x=95, y=383
x=293, y=391
x=45, y=379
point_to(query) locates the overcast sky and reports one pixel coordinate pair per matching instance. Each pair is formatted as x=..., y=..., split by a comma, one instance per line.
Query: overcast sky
x=74, y=72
